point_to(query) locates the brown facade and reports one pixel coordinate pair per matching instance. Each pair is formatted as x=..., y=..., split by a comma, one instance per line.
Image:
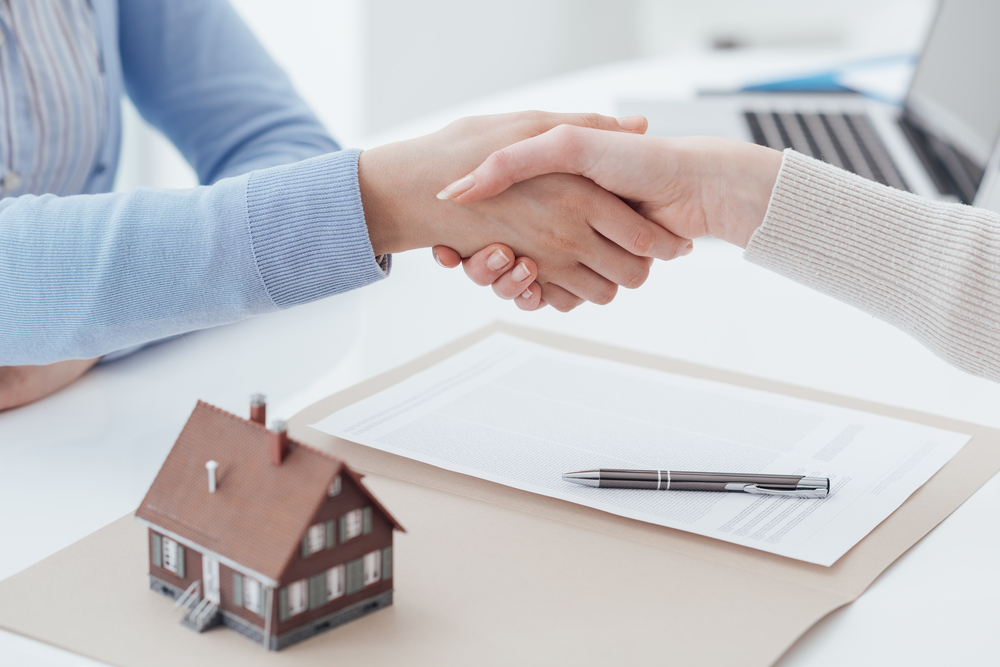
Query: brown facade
x=192, y=566
x=299, y=568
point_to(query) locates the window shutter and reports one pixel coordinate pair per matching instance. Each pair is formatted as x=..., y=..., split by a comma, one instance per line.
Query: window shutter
x=237, y=589
x=157, y=550
x=343, y=528
x=305, y=545
x=331, y=537
x=366, y=520
x=283, y=604
x=180, y=561
x=317, y=590
x=355, y=575
x=387, y=563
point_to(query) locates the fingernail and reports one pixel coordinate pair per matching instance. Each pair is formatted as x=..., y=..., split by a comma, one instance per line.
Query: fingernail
x=526, y=294
x=686, y=250
x=520, y=272
x=460, y=186
x=631, y=123
x=438, y=259
x=497, y=260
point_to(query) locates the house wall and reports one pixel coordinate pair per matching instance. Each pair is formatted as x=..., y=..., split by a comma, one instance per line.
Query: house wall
x=192, y=565
x=350, y=498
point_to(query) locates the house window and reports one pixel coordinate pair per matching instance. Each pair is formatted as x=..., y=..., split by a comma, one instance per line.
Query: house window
x=298, y=597
x=317, y=538
x=252, y=594
x=334, y=487
x=170, y=555
x=335, y=582
x=373, y=567
x=354, y=523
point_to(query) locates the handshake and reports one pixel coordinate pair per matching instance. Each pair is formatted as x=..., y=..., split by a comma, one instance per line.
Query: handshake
x=561, y=208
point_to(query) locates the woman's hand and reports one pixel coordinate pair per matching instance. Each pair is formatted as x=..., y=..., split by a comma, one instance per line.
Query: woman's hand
x=586, y=242
x=512, y=278
x=693, y=186
x=20, y=385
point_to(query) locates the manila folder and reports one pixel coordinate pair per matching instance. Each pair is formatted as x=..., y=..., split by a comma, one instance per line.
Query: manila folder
x=491, y=575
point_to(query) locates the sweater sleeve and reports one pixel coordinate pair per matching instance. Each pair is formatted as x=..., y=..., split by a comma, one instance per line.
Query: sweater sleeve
x=86, y=275
x=929, y=268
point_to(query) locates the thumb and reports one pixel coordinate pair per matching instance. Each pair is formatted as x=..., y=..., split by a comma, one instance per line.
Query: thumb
x=564, y=149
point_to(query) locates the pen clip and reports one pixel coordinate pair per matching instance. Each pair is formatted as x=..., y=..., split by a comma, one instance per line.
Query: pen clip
x=794, y=493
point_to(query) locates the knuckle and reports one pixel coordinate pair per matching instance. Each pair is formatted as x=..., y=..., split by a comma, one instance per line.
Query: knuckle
x=635, y=278
x=538, y=121
x=641, y=241
x=594, y=120
x=605, y=294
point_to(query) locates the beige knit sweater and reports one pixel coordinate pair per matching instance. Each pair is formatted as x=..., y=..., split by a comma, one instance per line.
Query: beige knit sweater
x=929, y=268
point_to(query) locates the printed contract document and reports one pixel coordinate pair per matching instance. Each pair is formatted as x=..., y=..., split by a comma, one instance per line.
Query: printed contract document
x=521, y=414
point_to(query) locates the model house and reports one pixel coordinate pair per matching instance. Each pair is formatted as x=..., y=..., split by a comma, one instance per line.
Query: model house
x=267, y=536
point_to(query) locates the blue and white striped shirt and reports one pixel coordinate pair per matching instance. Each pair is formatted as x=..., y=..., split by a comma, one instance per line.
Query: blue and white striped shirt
x=53, y=107
x=277, y=222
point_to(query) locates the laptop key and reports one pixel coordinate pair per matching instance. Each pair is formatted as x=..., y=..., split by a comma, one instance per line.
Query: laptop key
x=793, y=130
x=875, y=152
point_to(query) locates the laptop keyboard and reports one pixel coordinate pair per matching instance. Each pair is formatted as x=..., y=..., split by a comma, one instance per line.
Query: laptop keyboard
x=845, y=140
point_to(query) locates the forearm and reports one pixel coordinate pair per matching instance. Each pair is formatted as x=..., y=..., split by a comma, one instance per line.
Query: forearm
x=83, y=276
x=195, y=71
x=929, y=268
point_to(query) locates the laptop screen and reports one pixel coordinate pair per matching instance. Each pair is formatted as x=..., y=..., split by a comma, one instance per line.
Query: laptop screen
x=955, y=92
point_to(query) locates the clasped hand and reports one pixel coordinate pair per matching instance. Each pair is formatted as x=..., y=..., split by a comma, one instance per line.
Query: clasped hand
x=690, y=187
x=586, y=242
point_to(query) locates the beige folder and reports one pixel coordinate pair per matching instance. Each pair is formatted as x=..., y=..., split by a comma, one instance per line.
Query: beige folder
x=490, y=575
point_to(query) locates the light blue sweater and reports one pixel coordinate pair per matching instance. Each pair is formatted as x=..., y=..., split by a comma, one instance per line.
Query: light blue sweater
x=82, y=276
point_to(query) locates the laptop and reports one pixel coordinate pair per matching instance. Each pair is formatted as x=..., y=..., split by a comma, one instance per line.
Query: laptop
x=942, y=143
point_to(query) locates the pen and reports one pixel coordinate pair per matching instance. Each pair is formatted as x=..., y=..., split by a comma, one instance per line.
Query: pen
x=797, y=486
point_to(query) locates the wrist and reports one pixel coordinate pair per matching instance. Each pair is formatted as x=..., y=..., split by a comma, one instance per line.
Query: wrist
x=746, y=174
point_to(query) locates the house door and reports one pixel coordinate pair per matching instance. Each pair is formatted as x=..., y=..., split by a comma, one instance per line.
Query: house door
x=210, y=578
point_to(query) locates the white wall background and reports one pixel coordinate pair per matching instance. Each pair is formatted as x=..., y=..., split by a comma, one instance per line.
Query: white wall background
x=366, y=65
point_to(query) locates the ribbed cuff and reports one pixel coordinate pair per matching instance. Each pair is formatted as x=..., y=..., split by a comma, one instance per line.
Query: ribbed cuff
x=308, y=230
x=932, y=269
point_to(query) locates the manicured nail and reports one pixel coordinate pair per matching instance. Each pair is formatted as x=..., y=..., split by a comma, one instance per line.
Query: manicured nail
x=497, y=260
x=520, y=272
x=526, y=294
x=461, y=186
x=438, y=259
x=631, y=123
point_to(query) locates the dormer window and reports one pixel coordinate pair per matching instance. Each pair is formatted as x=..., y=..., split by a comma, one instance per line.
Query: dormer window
x=335, y=487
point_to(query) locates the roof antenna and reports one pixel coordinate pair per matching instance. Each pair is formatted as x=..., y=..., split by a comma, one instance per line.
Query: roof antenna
x=211, y=466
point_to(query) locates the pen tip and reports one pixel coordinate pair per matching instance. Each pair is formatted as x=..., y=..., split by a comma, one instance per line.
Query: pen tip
x=585, y=477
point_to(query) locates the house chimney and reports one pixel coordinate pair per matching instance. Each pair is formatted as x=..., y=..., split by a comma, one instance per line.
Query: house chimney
x=258, y=409
x=211, y=466
x=279, y=441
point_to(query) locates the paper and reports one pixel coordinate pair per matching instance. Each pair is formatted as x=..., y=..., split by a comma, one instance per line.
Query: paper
x=521, y=414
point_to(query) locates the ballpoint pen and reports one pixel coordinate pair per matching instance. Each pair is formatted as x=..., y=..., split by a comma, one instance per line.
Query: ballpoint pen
x=797, y=486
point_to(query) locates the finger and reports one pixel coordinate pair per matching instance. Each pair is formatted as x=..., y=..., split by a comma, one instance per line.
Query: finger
x=585, y=283
x=559, y=298
x=513, y=283
x=566, y=149
x=633, y=124
x=596, y=121
x=446, y=257
x=484, y=267
x=530, y=298
x=619, y=223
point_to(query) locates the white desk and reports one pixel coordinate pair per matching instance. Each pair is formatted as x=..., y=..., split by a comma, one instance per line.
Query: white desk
x=76, y=461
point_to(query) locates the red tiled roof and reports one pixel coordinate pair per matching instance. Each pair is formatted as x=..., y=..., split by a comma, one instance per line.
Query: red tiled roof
x=259, y=512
